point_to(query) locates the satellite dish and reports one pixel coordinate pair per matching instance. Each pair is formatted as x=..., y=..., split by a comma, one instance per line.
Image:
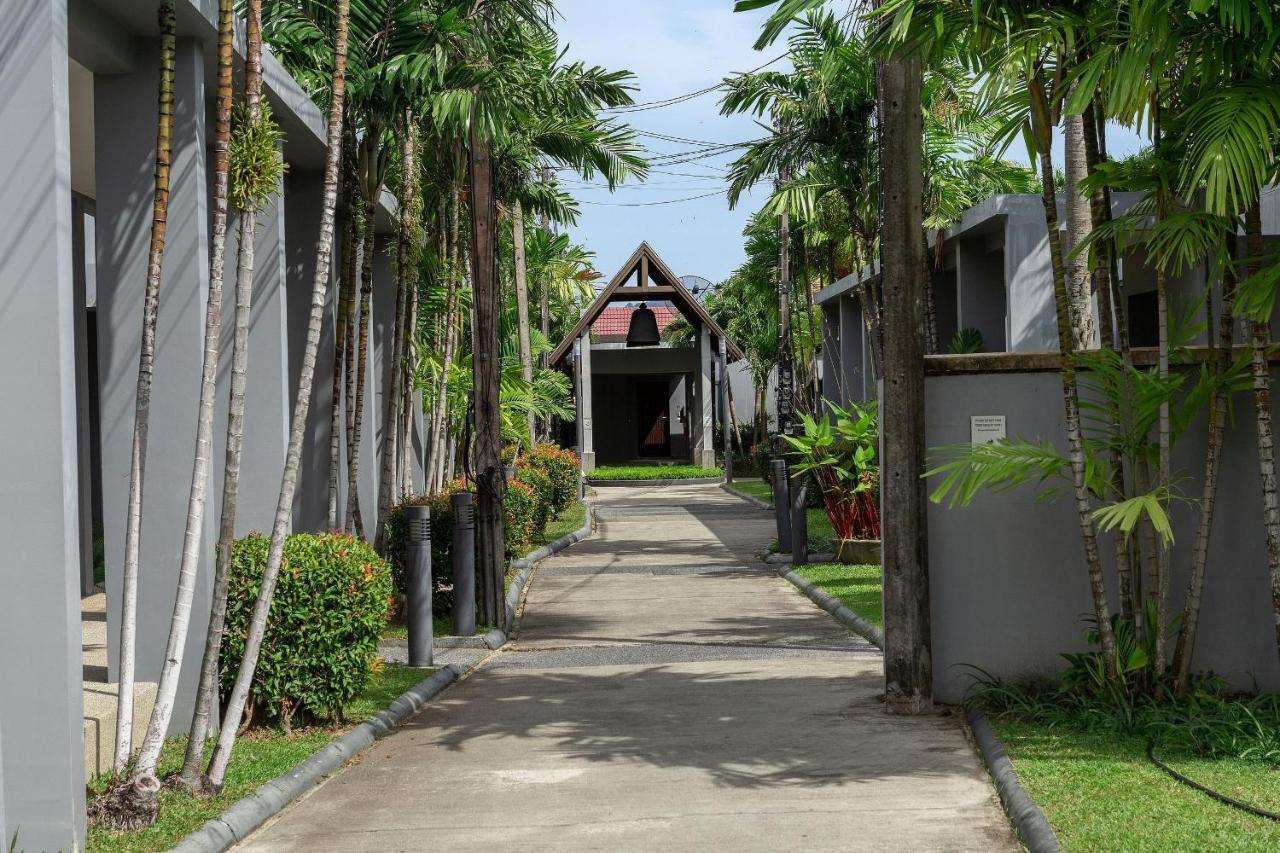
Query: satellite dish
x=695, y=284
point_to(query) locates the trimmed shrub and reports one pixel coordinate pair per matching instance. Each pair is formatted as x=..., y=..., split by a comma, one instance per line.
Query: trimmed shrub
x=321, y=641
x=562, y=467
x=543, y=490
x=441, y=539
x=520, y=510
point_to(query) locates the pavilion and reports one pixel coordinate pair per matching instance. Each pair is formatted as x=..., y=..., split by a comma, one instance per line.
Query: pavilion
x=654, y=403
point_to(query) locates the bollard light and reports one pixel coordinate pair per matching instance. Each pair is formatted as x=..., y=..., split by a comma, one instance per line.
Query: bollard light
x=418, y=597
x=781, y=503
x=799, y=523
x=463, y=552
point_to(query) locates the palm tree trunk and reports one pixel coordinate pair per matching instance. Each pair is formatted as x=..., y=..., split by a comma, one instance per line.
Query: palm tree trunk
x=1107, y=305
x=339, y=364
x=1070, y=392
x=179, y=624
x=142, y=404
x=1219, y=402
x=1260, y=343
x=522, y=303
x=1165, y=439
x=406, y=258
x=484, y=355
x=1079, y=224
x=440, y=472
x=351, y=286
x=355, y=523
x=193, y=761
x=289, y=478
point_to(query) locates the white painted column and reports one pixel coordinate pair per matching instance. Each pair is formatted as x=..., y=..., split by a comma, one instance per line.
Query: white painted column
x=585, y=411
x=41, y=713
x=704, y=452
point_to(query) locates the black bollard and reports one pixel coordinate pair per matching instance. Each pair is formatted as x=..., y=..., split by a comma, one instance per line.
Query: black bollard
x=799, y=523
x=464, y=564
x=418, y=597
x=781, y=503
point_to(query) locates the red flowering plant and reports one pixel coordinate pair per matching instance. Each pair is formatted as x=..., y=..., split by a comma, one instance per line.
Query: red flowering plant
x=840, y=450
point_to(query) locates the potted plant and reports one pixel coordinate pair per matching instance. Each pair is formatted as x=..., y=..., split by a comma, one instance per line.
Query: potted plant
x=840, y=450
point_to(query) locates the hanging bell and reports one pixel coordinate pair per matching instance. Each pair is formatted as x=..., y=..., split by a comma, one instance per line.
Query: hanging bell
x=643, y=331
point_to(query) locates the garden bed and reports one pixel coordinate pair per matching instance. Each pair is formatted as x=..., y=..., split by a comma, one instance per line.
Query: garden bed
x=858, y=587
x=260, y=755
x=657, y=473
x=820, y=530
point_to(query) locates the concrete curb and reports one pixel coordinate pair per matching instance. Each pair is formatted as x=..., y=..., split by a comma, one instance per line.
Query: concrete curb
x=563, y=542
x=786, y=559
x=673, y=481
x=1027, y=819
x=247, y=814
x=836, y=608
x=755, y=502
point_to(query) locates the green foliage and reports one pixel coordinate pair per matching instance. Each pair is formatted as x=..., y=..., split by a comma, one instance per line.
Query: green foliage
x=520, y=514
x=562, y=469
x=965, y=341
x=255, y=163
x=330, y=604
x=652, y=472
x=840, y=457
x=544, y=494
x=441, y=541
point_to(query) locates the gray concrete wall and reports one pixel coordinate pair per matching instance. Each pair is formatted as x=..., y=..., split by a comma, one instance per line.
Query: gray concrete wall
x=1032, y=324
x=981, y=300
x=41, y=749
x=832, y=367
x=125, y=122
x=1007, y=578
x=303, y=200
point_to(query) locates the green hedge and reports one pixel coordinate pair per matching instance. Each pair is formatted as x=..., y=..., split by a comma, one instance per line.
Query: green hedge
x=653, y=472
x=330, y=604
x=561, y=467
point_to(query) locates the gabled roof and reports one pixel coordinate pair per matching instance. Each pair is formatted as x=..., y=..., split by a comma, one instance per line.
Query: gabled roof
x=653, y=282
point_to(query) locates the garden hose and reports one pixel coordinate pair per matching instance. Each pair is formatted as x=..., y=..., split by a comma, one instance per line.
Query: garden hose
x=1205, y=789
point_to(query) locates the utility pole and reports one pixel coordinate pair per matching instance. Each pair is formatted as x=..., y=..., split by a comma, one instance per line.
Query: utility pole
x=490, y=568
x=908, y=669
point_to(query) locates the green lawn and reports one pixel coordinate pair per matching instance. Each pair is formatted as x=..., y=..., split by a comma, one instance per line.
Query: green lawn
x=258, y=757
x=1099, y=792
x=652, y=472
x=573, y=517
x=859, y=587
x=820, y=530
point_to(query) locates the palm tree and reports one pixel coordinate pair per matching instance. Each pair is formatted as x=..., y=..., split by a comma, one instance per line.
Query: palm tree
x=255, y=153
x=284, y=506
x=142, y=405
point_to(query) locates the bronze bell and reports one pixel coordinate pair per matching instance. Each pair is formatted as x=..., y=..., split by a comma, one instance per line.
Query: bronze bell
x=643, y=331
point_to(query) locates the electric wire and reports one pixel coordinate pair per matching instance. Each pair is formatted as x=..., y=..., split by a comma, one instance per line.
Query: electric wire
x=651, y=203
x=1205, y=789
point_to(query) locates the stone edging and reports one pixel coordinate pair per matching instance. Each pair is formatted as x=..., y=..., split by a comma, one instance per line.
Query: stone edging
x=754, y=501
x=836, y=608
x=669, y=481
x=1027, y=819
x=247, y=814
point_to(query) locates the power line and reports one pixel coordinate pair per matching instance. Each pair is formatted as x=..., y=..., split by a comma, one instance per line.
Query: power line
x=651, y=203
x=679, y=99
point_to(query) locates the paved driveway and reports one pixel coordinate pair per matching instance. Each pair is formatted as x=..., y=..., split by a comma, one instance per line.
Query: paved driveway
x=667, y=692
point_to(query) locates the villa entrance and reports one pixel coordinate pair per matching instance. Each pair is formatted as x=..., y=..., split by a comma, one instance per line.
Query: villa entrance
x=653, y=418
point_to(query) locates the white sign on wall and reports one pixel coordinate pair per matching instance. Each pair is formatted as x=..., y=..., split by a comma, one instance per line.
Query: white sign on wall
x=986, y=429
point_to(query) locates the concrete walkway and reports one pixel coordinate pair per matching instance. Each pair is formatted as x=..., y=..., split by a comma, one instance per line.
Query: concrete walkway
x=667, y=692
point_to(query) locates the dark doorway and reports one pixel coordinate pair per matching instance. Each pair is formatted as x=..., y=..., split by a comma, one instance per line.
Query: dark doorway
x=652, y=405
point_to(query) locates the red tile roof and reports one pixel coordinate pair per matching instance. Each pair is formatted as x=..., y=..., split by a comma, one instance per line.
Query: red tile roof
x=615, y=320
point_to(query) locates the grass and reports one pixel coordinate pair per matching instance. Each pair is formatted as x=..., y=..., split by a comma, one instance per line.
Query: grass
x=820, y=530
x=858, y=587
x=442, y=626
x=1099, y=792
x=572, y=518
x=652, y=472
x=259, y=756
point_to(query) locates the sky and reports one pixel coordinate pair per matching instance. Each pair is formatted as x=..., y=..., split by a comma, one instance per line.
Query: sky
x=675, y=47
